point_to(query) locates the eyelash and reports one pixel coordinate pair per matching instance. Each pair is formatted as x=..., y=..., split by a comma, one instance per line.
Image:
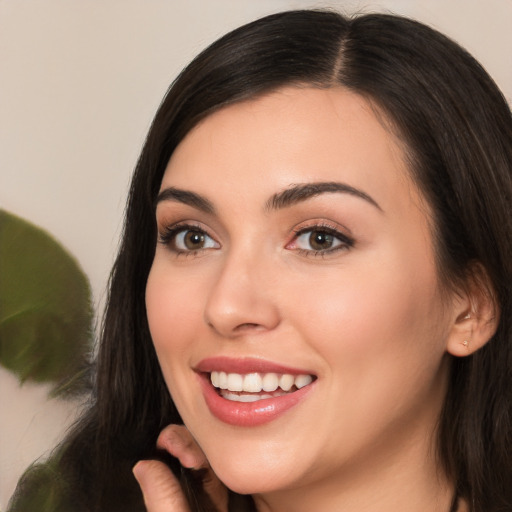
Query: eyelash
x=169, y=234
x=346, y=242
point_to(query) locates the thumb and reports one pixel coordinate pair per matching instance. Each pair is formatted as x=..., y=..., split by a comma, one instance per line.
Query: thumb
x=160, y=488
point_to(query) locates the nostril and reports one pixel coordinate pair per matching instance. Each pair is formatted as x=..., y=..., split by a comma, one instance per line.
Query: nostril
x=247, y=326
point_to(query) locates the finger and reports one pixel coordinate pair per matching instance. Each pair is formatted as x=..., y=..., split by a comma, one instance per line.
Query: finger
x=161, y=491
x=178, y=441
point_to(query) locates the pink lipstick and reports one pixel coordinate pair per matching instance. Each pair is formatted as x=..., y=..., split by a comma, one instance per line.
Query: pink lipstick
x=250, y=392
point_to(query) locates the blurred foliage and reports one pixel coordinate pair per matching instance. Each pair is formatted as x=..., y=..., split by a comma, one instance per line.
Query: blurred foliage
x=42, y=489
x=45, y=308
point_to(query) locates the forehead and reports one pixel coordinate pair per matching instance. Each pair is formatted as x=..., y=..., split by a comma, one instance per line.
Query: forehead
x=293, y=135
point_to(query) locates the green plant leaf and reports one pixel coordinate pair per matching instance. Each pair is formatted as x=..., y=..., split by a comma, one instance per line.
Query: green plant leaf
x=45, y=308
x=40, y=488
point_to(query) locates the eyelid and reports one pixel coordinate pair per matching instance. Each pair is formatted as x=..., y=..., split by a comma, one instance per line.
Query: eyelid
x=334, y=229
x=167, y=235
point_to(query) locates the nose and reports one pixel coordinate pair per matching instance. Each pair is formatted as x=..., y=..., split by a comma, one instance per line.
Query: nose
x=242, y=299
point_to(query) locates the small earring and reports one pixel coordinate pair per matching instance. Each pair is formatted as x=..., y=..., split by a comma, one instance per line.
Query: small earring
x=465, y=343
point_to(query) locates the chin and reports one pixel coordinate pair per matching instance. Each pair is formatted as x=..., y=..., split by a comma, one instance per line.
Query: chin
x=253, y=476
x=249, y=483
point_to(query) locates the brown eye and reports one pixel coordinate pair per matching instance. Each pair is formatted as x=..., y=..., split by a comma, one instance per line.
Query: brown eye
x=189, y=239
x=320, y=240
x=193, y=240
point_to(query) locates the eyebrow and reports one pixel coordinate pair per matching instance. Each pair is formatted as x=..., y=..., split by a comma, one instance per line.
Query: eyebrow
x=288, y=197
x=300, y=192
x=186, y=197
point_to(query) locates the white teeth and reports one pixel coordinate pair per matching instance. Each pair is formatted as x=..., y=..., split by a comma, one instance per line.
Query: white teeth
x=244, y=398
x=286, y=382
x=234, y=397
x=252, y=383
x=223, y=380
x=257, y=382
x=270, y=382
x=235, y=382
x=303, y=380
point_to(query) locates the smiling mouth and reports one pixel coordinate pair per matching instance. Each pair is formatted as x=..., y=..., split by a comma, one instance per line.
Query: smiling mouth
x=252, y=387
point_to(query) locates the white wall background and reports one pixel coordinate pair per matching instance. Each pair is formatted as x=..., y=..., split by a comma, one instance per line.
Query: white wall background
x=79, y=84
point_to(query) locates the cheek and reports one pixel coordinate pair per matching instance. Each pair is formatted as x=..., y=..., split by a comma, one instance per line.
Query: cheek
x=173, y=312
x=174, y=315
x=379, y=316
x=374, y=331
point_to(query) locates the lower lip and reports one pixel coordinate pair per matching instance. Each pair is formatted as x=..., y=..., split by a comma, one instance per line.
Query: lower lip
x=249, y=414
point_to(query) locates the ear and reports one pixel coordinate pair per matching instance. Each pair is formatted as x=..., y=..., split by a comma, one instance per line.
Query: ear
x=475, y=314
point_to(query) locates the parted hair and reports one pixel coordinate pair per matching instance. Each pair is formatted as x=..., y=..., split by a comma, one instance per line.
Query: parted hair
x=456, y=127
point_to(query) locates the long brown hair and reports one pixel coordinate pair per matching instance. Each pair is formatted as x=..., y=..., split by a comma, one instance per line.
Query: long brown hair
x=457, y=128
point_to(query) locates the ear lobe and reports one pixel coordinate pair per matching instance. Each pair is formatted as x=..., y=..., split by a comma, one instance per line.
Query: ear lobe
x=476, y=314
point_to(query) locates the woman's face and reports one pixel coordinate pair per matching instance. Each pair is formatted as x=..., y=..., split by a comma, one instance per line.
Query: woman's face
x=295, y=251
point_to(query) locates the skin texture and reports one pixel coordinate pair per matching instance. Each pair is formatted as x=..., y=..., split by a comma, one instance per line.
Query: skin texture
x=162, y=491
x=369, y=320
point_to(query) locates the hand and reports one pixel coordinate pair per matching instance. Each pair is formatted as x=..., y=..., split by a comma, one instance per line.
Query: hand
x=162, y=491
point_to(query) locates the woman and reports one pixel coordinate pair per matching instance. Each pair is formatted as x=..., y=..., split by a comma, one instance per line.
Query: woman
x=316, y=265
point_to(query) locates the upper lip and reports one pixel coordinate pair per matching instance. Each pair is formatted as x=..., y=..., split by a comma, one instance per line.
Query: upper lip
x=246, y=365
